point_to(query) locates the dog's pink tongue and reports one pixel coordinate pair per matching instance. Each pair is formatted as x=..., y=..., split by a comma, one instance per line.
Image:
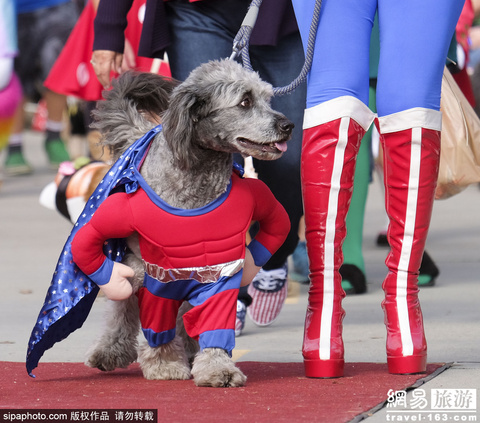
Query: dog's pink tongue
x=282, y=146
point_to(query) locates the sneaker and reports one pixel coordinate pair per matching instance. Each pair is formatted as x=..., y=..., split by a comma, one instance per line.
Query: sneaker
x=15, y=164
x=56, y=151
x=268, y=291
x=240, y=320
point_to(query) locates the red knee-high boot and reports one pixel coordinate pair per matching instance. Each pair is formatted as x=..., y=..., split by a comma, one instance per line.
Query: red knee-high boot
x=332, y=134
x=411, y=145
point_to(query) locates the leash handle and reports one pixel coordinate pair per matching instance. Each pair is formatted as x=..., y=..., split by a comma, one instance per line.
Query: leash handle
x=242, y=38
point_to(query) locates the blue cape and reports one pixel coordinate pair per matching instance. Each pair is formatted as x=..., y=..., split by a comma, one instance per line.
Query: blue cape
x=72, y=293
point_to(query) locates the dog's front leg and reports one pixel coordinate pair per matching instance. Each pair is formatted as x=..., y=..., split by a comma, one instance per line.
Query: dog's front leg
x=165, y=362
x=213, y=367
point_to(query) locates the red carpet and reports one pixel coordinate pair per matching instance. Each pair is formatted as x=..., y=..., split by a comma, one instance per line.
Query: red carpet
x=275, y=392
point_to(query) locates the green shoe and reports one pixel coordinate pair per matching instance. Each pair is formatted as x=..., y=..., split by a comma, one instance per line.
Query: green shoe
x=16, y=164
x=56, y=151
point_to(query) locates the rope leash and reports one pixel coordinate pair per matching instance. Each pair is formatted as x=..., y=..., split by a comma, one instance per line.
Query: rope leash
x=241, y=44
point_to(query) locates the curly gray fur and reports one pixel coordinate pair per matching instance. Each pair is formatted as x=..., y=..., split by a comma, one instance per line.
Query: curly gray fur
x=131, y=108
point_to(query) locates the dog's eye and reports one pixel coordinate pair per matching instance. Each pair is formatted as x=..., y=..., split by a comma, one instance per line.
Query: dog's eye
x=246, y=103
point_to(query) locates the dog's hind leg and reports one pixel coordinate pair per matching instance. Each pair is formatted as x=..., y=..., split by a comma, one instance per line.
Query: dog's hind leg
x=213, y=367
x=166, y=362
x=117, y=346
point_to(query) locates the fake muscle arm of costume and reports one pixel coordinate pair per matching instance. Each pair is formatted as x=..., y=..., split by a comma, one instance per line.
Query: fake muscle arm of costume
x=273, y=220
x=110, y=221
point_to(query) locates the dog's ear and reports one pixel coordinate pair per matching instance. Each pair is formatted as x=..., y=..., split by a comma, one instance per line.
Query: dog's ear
x=184, y=111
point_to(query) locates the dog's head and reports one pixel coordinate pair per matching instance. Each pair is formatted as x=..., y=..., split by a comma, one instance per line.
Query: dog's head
x=222, y=106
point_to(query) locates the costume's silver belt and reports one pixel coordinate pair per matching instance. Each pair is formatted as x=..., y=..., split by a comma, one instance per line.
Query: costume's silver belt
x=206, y=274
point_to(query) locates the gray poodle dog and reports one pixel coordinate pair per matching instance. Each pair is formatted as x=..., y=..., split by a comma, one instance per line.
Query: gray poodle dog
x=219, y=110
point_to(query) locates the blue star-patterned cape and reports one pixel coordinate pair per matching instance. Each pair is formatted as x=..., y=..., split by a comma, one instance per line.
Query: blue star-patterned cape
x=72, y=293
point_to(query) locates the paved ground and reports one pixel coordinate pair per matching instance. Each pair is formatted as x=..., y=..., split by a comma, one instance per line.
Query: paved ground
x=32, y=238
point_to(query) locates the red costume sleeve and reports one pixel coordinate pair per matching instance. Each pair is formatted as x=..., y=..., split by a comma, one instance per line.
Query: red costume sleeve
x=113, y=219
x=273, y=220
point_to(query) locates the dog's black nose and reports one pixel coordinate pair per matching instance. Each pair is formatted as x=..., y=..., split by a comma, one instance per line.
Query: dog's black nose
x=285, y=125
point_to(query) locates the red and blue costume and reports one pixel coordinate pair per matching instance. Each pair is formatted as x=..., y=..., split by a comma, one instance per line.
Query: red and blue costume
x=195, y=255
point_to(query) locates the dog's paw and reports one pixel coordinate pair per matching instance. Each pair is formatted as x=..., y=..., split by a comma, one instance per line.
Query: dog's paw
x=167, y=362
x=231, y=377
x=214, y=368
x=108, y=359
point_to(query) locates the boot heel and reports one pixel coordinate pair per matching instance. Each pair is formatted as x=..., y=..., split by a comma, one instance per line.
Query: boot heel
x=324, y=368
x=407, y=365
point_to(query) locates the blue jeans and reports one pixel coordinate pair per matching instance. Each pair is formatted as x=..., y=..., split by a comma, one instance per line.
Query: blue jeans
x=203, y=31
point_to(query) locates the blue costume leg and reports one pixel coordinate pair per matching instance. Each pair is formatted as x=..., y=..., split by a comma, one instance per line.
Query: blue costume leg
x=413, y=53
x=341, y=56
